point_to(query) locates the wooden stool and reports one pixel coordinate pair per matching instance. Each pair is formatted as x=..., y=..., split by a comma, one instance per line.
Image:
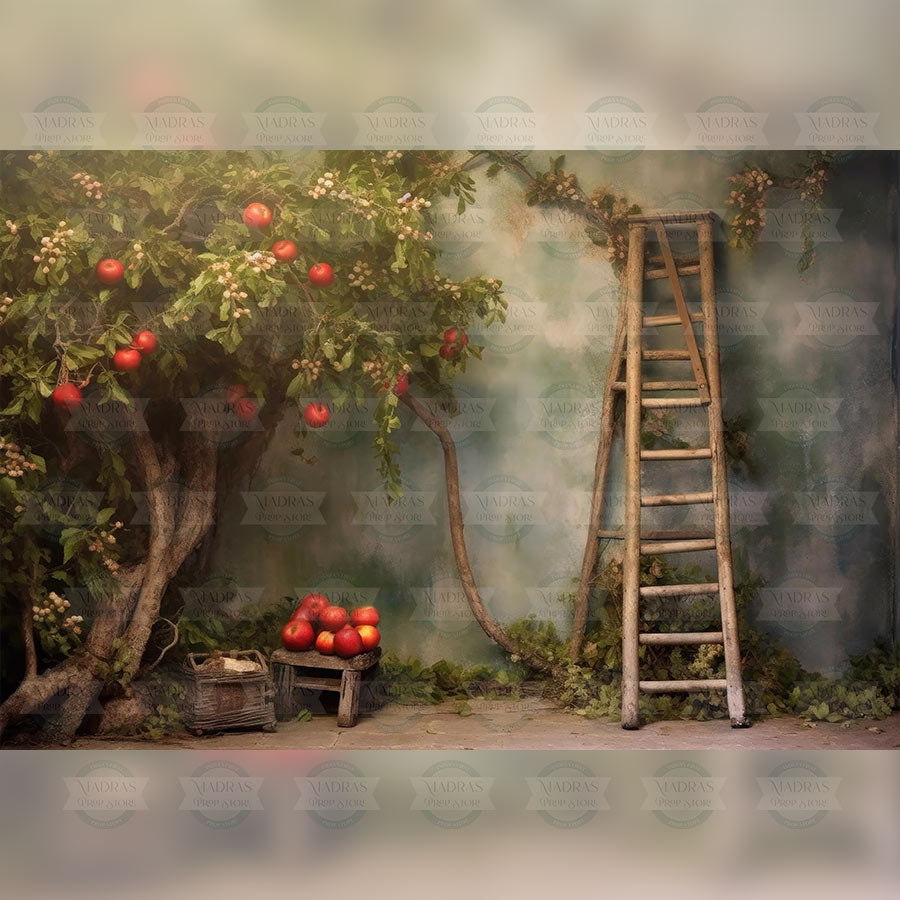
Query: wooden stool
x=290, y=670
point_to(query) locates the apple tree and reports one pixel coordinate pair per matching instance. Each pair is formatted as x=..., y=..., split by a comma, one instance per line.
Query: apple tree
x=134, y=368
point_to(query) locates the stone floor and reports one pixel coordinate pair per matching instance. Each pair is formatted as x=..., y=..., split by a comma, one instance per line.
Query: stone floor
x=530, y=724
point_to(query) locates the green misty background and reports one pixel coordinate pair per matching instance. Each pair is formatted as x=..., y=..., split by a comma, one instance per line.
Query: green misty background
x=806, y=361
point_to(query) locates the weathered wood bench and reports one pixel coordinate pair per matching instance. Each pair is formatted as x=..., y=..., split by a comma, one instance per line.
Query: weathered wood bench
x=291, y=671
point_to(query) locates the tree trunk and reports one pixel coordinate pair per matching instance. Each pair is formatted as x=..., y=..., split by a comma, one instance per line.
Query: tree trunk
x=179, y=519
x=493, y=629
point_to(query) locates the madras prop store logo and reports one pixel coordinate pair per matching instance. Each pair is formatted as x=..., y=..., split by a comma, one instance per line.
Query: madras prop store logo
x=798, y=604
x=747, y=509
x=798, y=415
x=798, y=794
x=565, y=415
x=504, y=122
x=617, y=128
x=59, y=502
x=64, y=123
x=108, y=423
x=451, y=794
x=394, y=122
x=726, y=127
x=284, y=123
x=683, y=241
x=560, y=232
x=336, y=794
x=567, y=794
x=105, y=794
x=174, y=123
x=463, y=416
x=394, y=519
x=220, y=596
x=220, y=794
x=410, y=318
x=341, y=590
x=682, y=794
x=443, y=603
x=460, y=234
x=282, y=509
x=176, y=493
x=793, y=221
x=222, y=414
x=836, y=123
x=503, y=508
x=835, y=318
x=738, y=318
x=833, y=509
x=524, y=320
x=348, y=422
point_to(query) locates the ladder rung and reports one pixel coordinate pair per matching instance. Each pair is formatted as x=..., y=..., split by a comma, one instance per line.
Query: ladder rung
x=653, y=321
x=676, y=499
x=672, y=402
x=660, y=386
x=651, y=274
x=683, y=637
x=685, y=219
x=678, y=546
x=702, y=684
x=695, y=534
x=687, y=261
x=666, y=354
x=679, y=590
x=682, y=453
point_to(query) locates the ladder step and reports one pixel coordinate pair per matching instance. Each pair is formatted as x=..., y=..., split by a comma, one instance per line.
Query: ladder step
x=660, y=261
x=684, y=637
x=664, y=687
x=693, y=534
x=652, y=274
x=691, y=546
x=666, y=354
x=653, y=321
x=683, y=453
x=676, y=499
x=660, y=386
x=679, y=590
x=672, y=402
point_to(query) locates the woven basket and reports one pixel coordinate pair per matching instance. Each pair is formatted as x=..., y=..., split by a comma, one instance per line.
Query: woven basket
x=226, y=701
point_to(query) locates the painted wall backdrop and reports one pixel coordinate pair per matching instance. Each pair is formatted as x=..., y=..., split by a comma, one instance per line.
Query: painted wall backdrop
x=806, y=363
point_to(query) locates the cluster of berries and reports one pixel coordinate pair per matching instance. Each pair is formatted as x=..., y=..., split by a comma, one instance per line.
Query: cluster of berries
x=53, y=248
x=13, y=461
x=48, y=612
x=92, y=187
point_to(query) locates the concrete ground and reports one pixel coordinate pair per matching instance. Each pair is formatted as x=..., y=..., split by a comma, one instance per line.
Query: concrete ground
x=529, y=724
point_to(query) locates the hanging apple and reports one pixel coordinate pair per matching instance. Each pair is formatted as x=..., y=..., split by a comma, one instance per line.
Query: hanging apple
x=257, y=215
x=67, y=396
x=285, y=251
x=316, y=415
x=145, y=341
x=109, y=271
x=234, y=392
x=401, y=384
x=245, y=409
x=126, y=360
x=321, y=274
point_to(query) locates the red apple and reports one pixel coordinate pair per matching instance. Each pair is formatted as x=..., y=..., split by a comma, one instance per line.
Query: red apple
x=285, y=251
x=145, y=341
x=109, y=271
x=126, y=360
x=301, y=612
x=298, y=634
x=315, y=603
x=325, y=643
x=401, y=384
x=448, y=351
x=234, y=392
x=316, y=415
x=321, y=274
x=333, y=618
x=347, y=642
x=456, y=335
x=67, y=396
x=364, y=615
x=257, y=215
x=245, y=409
x=369, y=635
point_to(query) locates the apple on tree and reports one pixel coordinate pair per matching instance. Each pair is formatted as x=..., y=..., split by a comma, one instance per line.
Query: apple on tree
x=316, y=415
x=321, y=274
x=145, y=341
x=126, y=360
x=285, y=251
x=67, y=396
x=257, y=215
x=109, y=271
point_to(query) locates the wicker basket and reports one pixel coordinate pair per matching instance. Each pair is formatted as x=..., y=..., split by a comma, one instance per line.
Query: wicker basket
x=226, y=701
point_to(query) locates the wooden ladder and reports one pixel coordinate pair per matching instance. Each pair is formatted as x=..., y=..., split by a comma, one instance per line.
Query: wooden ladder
x=705, y=390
